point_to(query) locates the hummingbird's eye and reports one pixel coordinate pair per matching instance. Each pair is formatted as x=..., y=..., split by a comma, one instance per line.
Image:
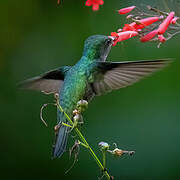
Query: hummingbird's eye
x=108, y=42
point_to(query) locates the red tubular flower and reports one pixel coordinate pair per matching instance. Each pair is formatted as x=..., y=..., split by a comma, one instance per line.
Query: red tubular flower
x=141, y=24
x=165, y=24
x=149, y=36
x=161, y=38
x=123, y=36
x=58, y=1
x=126, y=10
x=115, y=35
x=94, y=3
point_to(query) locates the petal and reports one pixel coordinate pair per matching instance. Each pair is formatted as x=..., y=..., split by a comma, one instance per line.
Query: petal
x=129, y=27
x=149, y=36
x=165, y=24
x=88, y=3
x=126, y=10
x=95, y=7
x=115, y=34
x=101, y=2
x=145, y=22
x=126, y=35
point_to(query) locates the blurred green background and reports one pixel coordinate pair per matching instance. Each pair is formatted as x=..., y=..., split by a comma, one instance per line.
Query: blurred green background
x=39, y=35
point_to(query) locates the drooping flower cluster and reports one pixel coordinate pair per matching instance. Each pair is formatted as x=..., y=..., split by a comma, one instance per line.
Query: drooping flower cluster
x=94, y=3
x=147, y=27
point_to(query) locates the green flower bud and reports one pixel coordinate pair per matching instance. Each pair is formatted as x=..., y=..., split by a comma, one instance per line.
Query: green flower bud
x=103, y=146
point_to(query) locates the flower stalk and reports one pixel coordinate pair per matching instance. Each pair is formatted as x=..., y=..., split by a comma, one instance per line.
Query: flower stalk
x=85, y=143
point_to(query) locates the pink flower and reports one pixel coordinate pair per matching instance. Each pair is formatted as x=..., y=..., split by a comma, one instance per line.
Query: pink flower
x=94, y=3
x=149, y=36
x=165, y=24
x=123, y=36
x=140, y=24
x=126, y=10
x=174, y=20
x=161, y=38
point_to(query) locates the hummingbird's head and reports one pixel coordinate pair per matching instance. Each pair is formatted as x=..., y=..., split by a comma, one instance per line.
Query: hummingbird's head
x=97, y=47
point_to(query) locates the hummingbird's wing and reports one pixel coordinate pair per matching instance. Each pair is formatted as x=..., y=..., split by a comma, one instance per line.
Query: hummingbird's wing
x=49, y=82
x=116, y=75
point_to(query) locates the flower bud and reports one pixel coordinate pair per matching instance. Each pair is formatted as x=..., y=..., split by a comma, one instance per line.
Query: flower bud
x=126, y=10
x=82, y=105
x=140, y=24
x=56, y=96
x=149, y=36
x=103, y=146
x=76, y=117
x=165, y=24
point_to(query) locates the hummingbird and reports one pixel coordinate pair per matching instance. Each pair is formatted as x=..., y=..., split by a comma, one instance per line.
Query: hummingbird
x=91, y=76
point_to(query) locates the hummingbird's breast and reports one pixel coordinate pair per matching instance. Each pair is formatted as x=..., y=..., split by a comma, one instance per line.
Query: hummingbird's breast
x=74, y=88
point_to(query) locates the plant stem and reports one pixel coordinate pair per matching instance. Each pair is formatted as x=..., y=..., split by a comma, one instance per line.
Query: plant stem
x=104, y=158
x=86, y=143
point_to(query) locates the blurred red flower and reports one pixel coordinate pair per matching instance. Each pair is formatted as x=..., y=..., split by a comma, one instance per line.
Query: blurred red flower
x=94, y=3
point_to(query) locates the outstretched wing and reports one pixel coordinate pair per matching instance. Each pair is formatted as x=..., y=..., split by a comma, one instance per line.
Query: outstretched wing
x=49, y=82
x=116, y=75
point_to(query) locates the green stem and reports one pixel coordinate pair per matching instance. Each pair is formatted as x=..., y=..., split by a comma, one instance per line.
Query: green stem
x=64, y=124
x=83, y=144
x=104, y=158
x=86, y=143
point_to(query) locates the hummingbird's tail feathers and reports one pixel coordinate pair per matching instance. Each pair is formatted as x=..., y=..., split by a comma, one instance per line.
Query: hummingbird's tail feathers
x=49, y=82
x=60, y=142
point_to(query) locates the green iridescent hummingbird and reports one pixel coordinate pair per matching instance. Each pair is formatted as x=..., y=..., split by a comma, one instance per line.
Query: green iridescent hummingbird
x=91, y=76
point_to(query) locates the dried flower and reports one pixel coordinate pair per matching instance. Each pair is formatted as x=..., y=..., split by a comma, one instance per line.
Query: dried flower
x=120, y=152
x=76, y=112
x=165, y=24
x=126, y=10
x=149, y=36
x=117, y=152
x=56, y=128
x=94, y=3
